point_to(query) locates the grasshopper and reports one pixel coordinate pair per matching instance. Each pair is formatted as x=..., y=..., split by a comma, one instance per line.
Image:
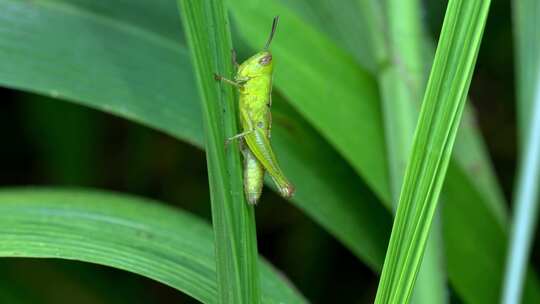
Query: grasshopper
x=253, y=80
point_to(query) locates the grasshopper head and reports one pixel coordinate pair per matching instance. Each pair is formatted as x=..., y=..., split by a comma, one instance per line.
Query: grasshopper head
x=259, y=64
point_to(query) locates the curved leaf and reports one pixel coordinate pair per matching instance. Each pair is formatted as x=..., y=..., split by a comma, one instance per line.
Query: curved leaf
x=124, y=232
x=69, y=51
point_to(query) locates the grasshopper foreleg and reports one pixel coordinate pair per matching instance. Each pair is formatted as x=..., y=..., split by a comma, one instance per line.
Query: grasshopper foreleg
x=231, y=82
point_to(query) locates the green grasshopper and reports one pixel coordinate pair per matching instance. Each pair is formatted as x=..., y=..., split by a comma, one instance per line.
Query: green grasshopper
x=254, y=82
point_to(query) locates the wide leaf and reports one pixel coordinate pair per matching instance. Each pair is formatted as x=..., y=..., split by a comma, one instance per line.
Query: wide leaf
x=124, y=232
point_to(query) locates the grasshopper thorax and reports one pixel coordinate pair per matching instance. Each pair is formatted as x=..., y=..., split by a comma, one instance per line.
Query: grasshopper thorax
x=259, y=64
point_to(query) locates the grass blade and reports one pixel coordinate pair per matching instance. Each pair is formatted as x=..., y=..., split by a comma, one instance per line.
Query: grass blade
x=207, y=31
x=526, y=207
x=439, y=119
x=121, y=231
x=527, y=48
x=402, y=82
x=526, y=14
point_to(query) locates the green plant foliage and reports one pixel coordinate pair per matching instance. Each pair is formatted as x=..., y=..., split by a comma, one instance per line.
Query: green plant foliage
x=334, y=189
x=527, y=47
x=485, y=234
x=81, y=48
x=402, y=82
x=526, y=14
x=121, y=231
x=129, y=58
x=435, y=133
x=470, y=155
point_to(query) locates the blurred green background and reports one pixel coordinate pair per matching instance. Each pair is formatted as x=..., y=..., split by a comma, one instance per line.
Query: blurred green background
x=61, y=144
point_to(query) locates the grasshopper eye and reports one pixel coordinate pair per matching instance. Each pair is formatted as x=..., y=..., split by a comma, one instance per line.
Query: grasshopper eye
x=266, y=59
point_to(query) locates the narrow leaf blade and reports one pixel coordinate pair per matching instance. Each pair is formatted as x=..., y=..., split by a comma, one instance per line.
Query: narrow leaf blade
x=439, y=119
x=207, y=32
x=524, y=221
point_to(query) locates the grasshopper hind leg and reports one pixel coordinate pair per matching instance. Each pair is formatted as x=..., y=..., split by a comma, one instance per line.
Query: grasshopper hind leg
x=253, y=175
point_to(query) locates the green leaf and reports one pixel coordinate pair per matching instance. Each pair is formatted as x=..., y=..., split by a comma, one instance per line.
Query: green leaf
x=527, y=48
x=327, y=189
x=124, y=232
x=233, y=219
x=347, y=24
x=439, y=119
x=402, y=81
x=80, y=49
x=480, y=279
x=524, y=222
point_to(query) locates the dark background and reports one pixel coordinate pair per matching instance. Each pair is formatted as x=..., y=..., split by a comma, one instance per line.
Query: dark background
x=52, y=143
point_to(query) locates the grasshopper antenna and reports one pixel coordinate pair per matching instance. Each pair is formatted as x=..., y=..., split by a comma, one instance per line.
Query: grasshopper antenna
x=272, y=32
